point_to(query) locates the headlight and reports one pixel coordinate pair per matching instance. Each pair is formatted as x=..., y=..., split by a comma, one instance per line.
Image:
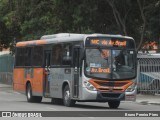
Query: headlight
x=89, y=86
x=131, y=88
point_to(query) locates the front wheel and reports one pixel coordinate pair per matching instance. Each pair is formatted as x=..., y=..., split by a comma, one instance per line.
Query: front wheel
x=67, y=97
x=30, y=97
x=114, y=104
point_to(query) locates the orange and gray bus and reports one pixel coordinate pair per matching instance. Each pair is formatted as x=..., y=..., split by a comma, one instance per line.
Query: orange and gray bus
x=70, y=68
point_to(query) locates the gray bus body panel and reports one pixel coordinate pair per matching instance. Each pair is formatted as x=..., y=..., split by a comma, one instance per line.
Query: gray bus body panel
x=58, y=77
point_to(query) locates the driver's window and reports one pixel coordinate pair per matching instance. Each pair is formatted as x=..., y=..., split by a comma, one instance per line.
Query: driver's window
x=119, y=57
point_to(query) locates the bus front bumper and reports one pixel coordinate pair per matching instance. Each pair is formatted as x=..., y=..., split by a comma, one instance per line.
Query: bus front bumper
x=97, y=96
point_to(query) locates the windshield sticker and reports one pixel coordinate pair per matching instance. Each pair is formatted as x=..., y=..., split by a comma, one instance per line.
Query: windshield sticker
x=95, y=65
x=131, y=52
x=88, y=69
x=100, y=70
x=114, y=52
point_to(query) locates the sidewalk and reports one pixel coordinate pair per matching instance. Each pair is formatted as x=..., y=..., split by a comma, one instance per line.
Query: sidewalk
x=148, y=99
x=142, y=99
x=5, y=86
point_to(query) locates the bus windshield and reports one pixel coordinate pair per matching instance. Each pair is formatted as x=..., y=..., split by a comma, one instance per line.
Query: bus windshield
x=112, y=64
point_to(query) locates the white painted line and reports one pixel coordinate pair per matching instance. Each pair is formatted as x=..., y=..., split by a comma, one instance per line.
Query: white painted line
x=91, y=118
x=51, y=108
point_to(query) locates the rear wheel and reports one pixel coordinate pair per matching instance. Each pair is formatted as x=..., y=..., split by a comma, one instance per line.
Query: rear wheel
x=30, y=97
x=114, y=104
x=67, y=97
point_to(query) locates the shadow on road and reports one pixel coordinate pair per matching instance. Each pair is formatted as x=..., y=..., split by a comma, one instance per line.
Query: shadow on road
x=80, y=106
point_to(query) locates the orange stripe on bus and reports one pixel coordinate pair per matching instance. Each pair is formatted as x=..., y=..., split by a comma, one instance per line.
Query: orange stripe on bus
x=20, y=44
x=41, y=42
x=33, y=42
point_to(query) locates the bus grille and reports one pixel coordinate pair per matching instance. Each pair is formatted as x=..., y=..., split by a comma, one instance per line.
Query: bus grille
x=111, y=86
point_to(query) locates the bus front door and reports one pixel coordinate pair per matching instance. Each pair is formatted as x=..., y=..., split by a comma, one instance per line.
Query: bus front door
x=75, y=90
x=47, y=74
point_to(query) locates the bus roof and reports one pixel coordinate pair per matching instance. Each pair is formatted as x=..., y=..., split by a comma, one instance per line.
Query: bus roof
x=64, y=37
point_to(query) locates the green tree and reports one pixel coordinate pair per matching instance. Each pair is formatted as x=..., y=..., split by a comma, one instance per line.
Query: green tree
x=30, y=19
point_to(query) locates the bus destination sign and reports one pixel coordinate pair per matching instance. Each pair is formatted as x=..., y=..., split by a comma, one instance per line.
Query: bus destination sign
x=110, y=42
x=104, y=42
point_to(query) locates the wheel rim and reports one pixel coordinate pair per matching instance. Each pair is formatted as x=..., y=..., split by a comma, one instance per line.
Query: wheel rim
x=66, y=97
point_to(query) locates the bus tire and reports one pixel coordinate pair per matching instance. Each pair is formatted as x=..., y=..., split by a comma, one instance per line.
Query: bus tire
x=114, y=104
x=30, y=97
x=68, y=102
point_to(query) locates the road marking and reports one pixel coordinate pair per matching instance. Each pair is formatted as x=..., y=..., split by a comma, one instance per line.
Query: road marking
x=91, y=117
x=51, y=108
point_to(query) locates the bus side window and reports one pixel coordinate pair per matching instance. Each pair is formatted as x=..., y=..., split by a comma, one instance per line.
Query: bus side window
x=23, y=56
x=57, y=54
x=66, y=58
x=20, y=61
x=37, y=56
x=27, y=56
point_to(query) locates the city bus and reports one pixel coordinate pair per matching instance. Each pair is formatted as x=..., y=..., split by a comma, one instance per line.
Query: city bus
x=70, y=68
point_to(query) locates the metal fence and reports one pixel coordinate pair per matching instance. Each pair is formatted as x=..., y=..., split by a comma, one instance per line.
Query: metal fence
x=6, y=68
x=149, y=74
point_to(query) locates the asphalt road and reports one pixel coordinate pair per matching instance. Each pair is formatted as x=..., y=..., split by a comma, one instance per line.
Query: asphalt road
x=14, y=101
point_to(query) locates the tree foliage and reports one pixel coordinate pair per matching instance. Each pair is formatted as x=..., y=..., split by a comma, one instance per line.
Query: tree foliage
x=30, y=19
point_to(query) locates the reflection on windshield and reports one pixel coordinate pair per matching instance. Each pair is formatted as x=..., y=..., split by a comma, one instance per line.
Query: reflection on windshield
x=110, y=64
